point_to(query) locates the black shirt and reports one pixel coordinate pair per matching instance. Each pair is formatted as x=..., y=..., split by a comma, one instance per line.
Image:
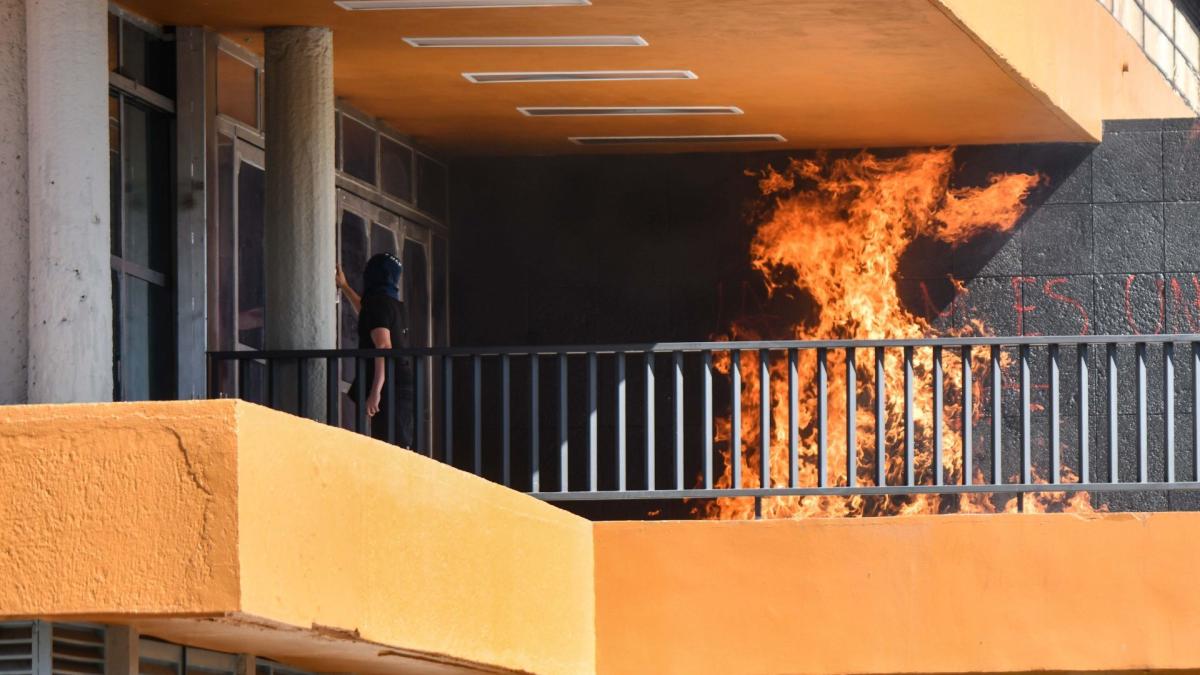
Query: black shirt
x=382, y=311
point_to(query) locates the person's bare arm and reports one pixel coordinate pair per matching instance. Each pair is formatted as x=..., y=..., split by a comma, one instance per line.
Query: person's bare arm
x=344, y=286
x=382, y=338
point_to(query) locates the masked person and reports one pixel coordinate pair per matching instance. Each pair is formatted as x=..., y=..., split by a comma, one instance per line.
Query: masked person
x=382, y=325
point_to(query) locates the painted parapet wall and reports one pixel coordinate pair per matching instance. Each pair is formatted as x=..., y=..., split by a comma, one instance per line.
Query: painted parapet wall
x=238, y=528
x=994, y=593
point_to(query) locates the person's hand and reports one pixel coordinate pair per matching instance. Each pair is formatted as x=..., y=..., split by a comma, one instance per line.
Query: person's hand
x=373, y=404
x=340, y=278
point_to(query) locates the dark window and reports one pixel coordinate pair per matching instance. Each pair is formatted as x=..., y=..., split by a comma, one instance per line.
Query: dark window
x=114, y=43
x=148, y=347
x=441, y=318
x=431, y=187
x=354, y=247
x=252, y=282
x=237, y=88
x=147, y=192
x=396, y=169
x=225, y=316
x=416, y=293
x=383, y=240
x=358, y=149
x=147, y=59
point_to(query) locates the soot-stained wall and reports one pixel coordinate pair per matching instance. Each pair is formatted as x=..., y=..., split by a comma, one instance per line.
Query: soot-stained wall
x=602, y=249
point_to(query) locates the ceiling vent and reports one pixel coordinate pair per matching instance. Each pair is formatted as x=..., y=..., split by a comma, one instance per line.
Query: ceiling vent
x=580, y=76
x=363, y=5
x=647, y=140
x=621, y=111
x=546, y=41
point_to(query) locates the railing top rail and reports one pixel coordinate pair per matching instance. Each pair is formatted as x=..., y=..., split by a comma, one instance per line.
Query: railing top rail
x=670, y=347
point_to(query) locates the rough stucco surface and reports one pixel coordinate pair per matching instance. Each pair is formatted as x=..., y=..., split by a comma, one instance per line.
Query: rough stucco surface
x=14, y=205
x=300, y=189
x=70, y=288
x=986, y=593
x=118, y=508
x=368, y=540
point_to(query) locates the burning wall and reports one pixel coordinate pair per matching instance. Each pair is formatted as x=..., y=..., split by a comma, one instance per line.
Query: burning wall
x=633, y=249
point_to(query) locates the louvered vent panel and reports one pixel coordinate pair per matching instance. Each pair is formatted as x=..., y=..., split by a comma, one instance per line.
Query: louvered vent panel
x=16, y=648
x=77, y=649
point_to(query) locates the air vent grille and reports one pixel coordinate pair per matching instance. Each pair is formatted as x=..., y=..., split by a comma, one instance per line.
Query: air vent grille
x=16, y=648
x=601, y=111
x=580, y=76
x=647, y=140
x=77, y=650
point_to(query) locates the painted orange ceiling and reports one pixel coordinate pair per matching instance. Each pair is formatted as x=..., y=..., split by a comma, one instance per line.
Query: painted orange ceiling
x=823, y=73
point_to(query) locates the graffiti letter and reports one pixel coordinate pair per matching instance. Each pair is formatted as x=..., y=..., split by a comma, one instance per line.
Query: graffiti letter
x=1048, y=289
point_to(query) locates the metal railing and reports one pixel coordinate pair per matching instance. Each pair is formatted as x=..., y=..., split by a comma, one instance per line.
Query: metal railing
x=858, y=417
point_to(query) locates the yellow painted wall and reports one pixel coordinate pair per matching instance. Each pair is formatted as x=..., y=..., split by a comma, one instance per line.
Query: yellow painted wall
x=988, y=593
x=118, y=508
x=1073, y=55
x=347, y=532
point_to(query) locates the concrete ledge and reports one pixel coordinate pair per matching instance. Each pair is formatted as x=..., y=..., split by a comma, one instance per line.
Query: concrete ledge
x=252, y=530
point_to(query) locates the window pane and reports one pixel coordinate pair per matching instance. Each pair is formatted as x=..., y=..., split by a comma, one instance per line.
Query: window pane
x=117, y=312
x=237, y=88
x=147, y=354
x=396, y=168
x=431, y=187
x=382, y=240
x=441, y=319
x=114, y=43
x=225, y=241
x=114, y=172
x=416, y=293
x=353, y=235
x=148, y=60
x=358, y=148
x=147, y=193
x=252, y=281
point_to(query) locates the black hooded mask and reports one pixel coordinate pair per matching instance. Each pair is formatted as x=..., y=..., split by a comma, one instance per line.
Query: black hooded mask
x=382, y=275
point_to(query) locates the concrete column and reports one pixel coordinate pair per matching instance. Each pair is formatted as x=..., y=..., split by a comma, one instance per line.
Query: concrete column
x=14, y=206
x=301, y=207
x=70, y=288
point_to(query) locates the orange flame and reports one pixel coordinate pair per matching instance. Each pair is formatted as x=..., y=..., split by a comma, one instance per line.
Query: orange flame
x=836, y=231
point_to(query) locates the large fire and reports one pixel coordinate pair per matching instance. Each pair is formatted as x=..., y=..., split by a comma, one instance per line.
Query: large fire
x=835, y=231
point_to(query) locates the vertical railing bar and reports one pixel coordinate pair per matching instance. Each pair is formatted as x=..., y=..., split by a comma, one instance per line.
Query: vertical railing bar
x=880, y=419
x=764, y=418
x=1142, y=446
x=421, y=379
x=938, y=402
x=997, y=418
x=360, y=417
x=708, y=421
x=1169, y=407
x=448, y=409
x=390, y=398
x=1084, y=415
x=1026, y=432
x=677, y=357
x=302, y=387
x=1113, y=468
x=240, y=369
x=735, y=431
x=1196, y=411
x=851, y=419
x=505, y=422
x=477, y=368
x=793, y=418
x=968, y=413
x=822, y=419
x=650, y=421
x=1055, y=421
x=271, y=402
x=621, y=440
x=593, y=426
x=909, y=431
x=564, y=483
x=332, y=392
x=535, y=456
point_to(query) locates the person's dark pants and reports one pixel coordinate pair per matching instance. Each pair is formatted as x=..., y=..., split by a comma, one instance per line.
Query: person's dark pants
x=403, y=412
